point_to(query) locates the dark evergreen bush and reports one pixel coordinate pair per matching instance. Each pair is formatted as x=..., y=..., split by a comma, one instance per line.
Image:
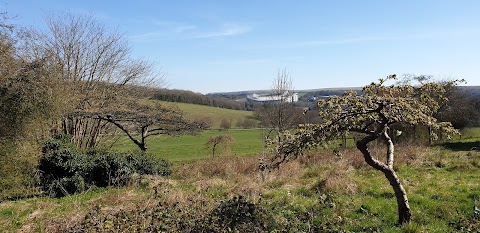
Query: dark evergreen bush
x=66, y=170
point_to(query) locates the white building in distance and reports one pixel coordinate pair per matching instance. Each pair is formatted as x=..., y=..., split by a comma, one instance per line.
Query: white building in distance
x=286, y=97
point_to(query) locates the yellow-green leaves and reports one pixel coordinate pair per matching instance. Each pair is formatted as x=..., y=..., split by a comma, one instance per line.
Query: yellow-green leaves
x=369, y=112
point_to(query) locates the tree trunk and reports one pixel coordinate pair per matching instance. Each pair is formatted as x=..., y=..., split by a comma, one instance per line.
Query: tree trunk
x=404, y=213
x=213, y=150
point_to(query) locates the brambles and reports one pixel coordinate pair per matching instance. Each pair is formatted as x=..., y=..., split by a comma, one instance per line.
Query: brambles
x=234, y=215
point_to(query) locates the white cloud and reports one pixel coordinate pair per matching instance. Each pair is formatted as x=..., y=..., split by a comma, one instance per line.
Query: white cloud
x=185, y=28
x=227, y=30
x=170, y=30
x=148, y=36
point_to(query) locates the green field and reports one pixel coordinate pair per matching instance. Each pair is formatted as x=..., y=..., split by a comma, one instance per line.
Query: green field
x=187, y=147
x=247, y=142
x=212, y=115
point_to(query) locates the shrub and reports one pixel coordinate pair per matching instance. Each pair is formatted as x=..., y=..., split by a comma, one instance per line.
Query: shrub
x=66, y=170
x=240, y=215
x=225, y=124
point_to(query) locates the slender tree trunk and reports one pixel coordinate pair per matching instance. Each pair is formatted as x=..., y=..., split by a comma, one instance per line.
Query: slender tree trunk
x=404, y=213
x=213, y=150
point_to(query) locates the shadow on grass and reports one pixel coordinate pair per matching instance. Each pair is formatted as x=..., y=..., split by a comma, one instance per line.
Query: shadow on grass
x=462, y=146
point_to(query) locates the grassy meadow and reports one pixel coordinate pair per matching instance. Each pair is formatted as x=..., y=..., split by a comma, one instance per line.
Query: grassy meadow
x=211, y=115
x=317, y=192
x=193, y=147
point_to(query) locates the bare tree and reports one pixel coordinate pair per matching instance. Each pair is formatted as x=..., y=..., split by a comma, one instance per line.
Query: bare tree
x=281, y=114
x=221, y=140
x=95, y=64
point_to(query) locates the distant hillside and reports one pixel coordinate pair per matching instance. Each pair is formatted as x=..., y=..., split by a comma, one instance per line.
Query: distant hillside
x=304, y=94
x=184, y=96
x=472, y=90
x=214, y=116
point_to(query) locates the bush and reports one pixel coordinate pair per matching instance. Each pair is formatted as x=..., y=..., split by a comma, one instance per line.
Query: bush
x=225, y=124
x=66, y=170
x=238, y=214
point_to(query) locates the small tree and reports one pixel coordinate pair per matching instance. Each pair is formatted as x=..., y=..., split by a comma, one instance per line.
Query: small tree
x=225, y=124
x=224, y=140
x=371, y=115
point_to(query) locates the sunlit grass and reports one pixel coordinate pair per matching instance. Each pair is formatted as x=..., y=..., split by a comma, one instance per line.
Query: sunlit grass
x=188, y=147
x=212, y=115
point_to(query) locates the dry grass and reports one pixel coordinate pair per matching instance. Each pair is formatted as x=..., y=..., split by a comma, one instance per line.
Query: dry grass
x=319, y=169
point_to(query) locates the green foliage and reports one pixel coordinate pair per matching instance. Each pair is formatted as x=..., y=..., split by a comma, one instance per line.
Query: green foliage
x=443, y=199
x=17, y=170
x=66, y=170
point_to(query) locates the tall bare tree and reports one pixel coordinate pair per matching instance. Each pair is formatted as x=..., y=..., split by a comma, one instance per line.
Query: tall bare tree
x=282, y=114
x=95, y=64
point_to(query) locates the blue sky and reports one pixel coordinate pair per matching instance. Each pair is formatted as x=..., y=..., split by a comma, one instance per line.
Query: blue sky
x=215, y=46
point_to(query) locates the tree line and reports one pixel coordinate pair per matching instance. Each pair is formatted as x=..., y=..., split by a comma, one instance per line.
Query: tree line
x=184, y=96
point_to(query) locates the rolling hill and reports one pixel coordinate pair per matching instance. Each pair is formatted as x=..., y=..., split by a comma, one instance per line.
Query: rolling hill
x=212, y=115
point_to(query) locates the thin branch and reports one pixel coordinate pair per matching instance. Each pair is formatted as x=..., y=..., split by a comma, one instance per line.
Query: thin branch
x=108, y=119
x=390, y=148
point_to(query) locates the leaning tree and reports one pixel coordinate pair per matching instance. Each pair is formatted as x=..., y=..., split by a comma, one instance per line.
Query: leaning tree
x=371, y=114
x=140, y=121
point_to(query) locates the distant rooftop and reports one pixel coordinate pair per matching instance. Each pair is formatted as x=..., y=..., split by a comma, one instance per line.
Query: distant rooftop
x=285, y=97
